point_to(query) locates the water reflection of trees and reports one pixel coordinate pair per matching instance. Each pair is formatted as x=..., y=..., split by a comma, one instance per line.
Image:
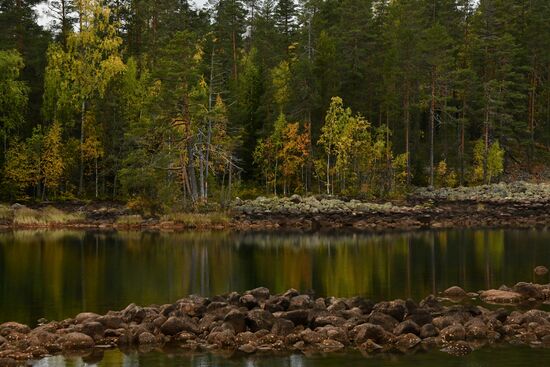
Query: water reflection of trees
x=60, y=273
x=506, y=356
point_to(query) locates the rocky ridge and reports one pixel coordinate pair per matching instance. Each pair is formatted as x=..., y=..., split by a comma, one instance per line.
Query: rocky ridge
x=496, y=193
x=501, y=205
x=257, y=321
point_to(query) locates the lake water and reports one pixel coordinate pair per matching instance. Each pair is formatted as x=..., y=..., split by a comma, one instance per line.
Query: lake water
x=489, y=357
x=57, y=274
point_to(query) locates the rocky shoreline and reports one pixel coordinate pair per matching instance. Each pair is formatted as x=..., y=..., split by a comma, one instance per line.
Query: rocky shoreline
x=258, y=322
x=518, y=205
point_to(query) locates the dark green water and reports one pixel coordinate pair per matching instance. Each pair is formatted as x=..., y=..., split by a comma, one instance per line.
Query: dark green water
x=501, y=357
x=57, y=274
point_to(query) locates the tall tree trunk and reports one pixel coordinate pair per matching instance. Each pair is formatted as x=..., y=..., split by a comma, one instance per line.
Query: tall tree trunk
x=275, y=176
x=64, y=24
x=432, y=129
x=185, y=176
x=209, y=133
x=201, y=168
x=230, y=182
x=191, y=171
x=96, y=179
x=234, y=44
x=461, y=146
x=407, y=121
x=486, y=142
x=82, y=122
x=328, y=174
x=531, y=115
x=19, y=30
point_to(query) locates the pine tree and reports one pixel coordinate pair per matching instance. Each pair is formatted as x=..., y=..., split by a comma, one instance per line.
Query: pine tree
x=63, y=18
x=229, y=28
x=13, y=95
x=285, y=21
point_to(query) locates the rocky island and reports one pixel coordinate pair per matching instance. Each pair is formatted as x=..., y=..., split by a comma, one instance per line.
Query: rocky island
x=257, y=321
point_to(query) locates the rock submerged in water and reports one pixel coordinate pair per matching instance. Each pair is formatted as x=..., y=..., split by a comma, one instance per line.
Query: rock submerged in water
x=458, y=349
x=260, y=322
x=455, y=292
x=500, y=296
x=76, y=341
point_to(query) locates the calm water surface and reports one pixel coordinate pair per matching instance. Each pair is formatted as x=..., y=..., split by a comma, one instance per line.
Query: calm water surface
x=57, y=274
x=501, y=357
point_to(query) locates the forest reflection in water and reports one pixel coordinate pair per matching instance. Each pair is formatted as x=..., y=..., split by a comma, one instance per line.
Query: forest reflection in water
x=486, y=357
x=57, y=274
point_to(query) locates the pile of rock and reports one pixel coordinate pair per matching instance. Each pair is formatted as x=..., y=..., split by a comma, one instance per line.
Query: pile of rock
x=325, y=212
x=259, y=322
x=496, y=193
x=518, y=205
x=296, y=205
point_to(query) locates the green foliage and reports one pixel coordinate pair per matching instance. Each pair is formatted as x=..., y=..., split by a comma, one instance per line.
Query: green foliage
x=88, y=64
x=167, y=106
x=488, y=162
x=19, y=171
x=385, y=172
x=363, y=157
x=281, y=79
x=13, y=93
x=52, y=162
x=445, y=176
x=283, y=156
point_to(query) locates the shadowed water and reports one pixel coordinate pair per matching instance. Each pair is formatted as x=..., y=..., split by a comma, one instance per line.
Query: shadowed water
x=57, y=274
x=502, y=357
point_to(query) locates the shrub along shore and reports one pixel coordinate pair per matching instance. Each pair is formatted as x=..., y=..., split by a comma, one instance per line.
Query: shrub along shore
x=517, y=204
x=257, y=321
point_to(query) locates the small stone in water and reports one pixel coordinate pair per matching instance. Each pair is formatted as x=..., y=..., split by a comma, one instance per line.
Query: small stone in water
x=459, y=348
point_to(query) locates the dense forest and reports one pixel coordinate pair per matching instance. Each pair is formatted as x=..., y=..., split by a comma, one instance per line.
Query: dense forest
x=162, y=104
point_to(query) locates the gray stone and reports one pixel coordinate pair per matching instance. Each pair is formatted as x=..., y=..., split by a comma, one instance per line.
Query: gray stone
x=259, y=320
x=282, y=327
x=175, y=325
x=76, y=341
x=458, y=348
x=146, y=338
x=407, y=341
x=363, y=332
x=453, y=333
x=237, y=320
x=407, y=327
x=428, y=331
x=384, y=320
x=455, y=292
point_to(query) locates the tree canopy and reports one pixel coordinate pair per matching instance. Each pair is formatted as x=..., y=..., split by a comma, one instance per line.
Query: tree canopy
x=164, y=104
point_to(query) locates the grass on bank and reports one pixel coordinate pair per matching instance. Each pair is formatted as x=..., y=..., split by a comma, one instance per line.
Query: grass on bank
x=6, y=213
x=44, y=217
x=129, y=220
x=197, y=220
